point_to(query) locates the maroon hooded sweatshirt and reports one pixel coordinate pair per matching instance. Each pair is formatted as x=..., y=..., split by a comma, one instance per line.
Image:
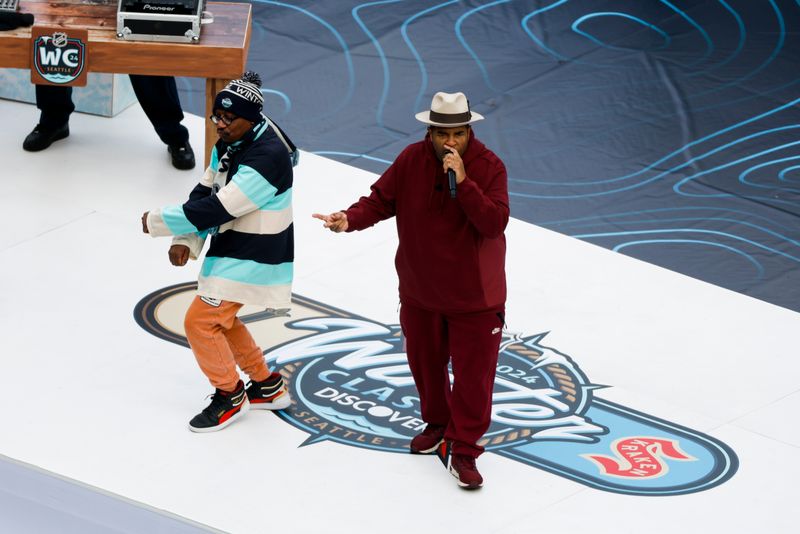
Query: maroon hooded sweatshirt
x=451, y=252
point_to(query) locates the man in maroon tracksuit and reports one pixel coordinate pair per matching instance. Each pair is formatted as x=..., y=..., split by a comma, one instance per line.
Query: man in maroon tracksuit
x=451, y=266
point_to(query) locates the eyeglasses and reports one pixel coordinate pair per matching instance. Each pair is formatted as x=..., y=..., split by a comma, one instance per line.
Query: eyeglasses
x=216, y=119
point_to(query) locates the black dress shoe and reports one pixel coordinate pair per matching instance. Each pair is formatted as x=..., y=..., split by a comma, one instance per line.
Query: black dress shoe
x=182, y=156
x=43, y=136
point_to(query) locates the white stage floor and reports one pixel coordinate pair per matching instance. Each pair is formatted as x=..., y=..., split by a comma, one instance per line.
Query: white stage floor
x=92, y=397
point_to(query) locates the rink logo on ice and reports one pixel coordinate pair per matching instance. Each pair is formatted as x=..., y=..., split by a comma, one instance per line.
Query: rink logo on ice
x=58, y=58
x=351, y=384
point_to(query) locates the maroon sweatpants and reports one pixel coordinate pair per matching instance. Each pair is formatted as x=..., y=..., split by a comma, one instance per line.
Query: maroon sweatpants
x=471, y=341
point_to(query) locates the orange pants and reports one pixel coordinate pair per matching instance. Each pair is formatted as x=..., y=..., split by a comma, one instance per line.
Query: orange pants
x=220, y=342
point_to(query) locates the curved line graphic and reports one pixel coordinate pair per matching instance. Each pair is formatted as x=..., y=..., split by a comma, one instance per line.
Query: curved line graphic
x=675, y=153
x=742, y=33
x=717, y=105
x=348, y=59
x=749, y=258
x=529, y=16
x=677, y=186
x=576, y=28
x=744, y=174
x=585, y=220
x=468, y=48
x=693, y=231
x=381, y=56
x=705, y=219
x=668, y=156
x=659, y=210
x=681, y=13
x=286, y=102
x=422, y=70
x=782, y=175
x=778, y=47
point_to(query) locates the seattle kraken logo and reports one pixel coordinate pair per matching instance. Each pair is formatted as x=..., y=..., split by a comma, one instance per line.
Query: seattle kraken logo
x=351, y=384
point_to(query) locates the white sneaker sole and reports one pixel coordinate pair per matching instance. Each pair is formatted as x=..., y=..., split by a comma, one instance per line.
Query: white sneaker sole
x=427, y=451
x=282, y=402
x=462, y=484
x=233, y=418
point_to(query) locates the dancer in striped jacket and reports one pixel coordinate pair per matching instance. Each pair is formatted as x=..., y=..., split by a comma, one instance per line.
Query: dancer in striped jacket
x=244, y=203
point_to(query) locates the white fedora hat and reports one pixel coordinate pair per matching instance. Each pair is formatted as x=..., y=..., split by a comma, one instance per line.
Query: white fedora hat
x=449, y=110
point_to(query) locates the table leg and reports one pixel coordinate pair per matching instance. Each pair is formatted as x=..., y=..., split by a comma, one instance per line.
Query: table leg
x=213, y=86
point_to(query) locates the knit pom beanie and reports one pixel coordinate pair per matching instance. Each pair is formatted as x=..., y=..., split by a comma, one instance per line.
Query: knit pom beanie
x=242, y=97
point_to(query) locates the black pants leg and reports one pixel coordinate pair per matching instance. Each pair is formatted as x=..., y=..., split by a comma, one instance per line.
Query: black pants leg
x=158, y=96
x=55, y=104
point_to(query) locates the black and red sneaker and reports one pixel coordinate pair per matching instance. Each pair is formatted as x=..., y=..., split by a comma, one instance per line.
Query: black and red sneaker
x=225, y=408
x=269, y=394
x=427, y=441
x=461, y=466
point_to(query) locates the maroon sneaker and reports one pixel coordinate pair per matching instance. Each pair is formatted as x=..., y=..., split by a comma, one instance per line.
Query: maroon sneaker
x=461, y=466
x=428, y=440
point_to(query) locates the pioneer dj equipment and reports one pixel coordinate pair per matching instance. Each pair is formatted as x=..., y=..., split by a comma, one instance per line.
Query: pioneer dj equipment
x=176, y=21
x=9, y=5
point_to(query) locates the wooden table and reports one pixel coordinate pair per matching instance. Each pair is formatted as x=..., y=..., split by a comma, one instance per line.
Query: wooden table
x=221, y=54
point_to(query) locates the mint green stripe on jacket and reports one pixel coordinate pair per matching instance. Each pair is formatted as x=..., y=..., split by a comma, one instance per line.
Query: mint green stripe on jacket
x=257, y=188
x=176, y=221
x=279, y=202
x=214, y=159
x=248, y=271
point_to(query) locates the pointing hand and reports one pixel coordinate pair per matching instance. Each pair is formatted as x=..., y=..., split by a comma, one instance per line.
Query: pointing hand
x=336, y=222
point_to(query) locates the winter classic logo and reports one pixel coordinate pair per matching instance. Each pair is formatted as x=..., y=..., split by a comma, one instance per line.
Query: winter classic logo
x=59, y=59
x=351, y=384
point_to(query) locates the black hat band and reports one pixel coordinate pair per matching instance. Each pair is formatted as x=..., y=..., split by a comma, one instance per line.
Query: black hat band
x=450, y=118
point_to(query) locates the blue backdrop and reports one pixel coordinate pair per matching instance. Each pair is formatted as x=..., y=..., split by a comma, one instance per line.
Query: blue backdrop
x=665, y=130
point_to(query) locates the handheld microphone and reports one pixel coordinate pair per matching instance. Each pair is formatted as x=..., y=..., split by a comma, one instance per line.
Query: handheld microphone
x=451, y=177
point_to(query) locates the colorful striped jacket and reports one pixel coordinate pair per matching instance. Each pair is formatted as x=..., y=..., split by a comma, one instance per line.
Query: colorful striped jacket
x=244, y=201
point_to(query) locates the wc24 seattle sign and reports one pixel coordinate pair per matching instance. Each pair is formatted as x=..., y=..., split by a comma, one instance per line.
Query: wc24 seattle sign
x=350, y=383
x=59, y=59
